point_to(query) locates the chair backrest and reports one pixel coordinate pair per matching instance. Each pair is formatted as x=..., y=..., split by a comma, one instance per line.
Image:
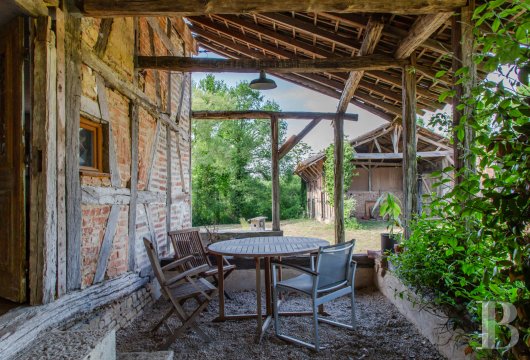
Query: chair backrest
x=155, y=263
x=333, y=265
x=188, y=242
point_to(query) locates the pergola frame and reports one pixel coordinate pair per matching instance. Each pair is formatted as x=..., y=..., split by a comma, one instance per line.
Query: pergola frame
x=216, y=29
x=276, y=151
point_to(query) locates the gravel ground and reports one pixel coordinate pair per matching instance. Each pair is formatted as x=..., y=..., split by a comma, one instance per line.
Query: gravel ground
x=381, y=333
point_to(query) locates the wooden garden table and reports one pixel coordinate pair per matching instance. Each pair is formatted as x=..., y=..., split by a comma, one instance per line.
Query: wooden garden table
x=257, y=248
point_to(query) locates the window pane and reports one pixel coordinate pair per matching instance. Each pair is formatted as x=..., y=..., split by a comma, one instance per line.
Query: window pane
x=86, y=147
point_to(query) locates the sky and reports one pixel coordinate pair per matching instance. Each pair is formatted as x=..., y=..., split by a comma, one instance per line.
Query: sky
x=292, y=97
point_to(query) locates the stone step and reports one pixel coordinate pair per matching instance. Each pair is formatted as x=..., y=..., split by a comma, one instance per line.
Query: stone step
x=86, y=345
x=156, y=355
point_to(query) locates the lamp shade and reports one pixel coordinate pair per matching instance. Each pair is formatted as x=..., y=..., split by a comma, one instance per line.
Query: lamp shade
x=262, y=83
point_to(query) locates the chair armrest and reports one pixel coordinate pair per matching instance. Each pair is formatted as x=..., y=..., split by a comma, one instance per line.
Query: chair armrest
x=296, y=267
x=177, y=263
x=191, y=272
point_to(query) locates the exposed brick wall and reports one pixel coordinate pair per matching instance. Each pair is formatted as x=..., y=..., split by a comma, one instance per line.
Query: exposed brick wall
x=151, y=218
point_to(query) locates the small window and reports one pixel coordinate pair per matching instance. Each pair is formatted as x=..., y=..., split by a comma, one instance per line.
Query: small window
x=91, y=147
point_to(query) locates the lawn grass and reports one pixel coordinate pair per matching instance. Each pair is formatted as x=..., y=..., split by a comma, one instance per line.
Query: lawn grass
x=367, y=237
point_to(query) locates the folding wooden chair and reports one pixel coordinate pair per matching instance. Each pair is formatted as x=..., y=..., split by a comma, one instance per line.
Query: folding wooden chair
x=178, y=288
x=188, y=242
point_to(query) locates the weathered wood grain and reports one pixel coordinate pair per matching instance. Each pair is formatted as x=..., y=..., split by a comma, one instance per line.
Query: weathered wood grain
x=275, y=167
x=115, y=177
x=73, y=186
x=374, y=30
x=410, y=164
x=95, y=195
x=295, y=139
x=103, y=36
x=106, y=244
x=343, y=64
x=397, y=156
x=135, y=123
x=189, y=8
x=338, y=189
x=256, y=114
x=23, y=325
x=33, y=7
x=61, y=153
x=154, y=146
x=421, y=30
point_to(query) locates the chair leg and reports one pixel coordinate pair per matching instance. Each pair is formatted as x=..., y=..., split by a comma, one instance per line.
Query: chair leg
x=315, y=326
x=353, y=320
x=168, y=314
x=275, y=310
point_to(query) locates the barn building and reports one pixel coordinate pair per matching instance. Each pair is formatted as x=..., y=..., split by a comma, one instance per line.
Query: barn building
x=378, y=169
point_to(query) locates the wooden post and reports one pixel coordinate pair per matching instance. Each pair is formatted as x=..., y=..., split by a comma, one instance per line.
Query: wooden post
x=134, y=109
x=73, y=185
x=275, y=174
x=339, y=179
x=462, y=43
x=410, y=164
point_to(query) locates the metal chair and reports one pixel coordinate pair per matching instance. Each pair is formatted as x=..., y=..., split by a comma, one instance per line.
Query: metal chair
x=178, y=288
x=332, y=277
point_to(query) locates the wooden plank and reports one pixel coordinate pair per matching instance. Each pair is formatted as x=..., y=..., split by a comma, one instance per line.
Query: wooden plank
x=373, y=33
x=343, y=64
x=295, y=139
x=275, y=174
x=410, y=164
x=103, y=36
x=185, y=34
x=134, y=116
x=187, y=8
x=43, y=226
x=154, y=146
x=257, y=114
x=96, y=195
x=117, y=82
x=338, y=135
x=61, y=153
x=158, y=89
x=169, y=78
x=395, y=156
x=463, y=48
x=169, y=185
x=179, y=114
x=115, y=177
x=106, y=244
x=423, y=27
x=33, y=7
x=73, y=186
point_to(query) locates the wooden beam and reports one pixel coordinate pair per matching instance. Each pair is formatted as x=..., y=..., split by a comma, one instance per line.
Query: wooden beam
x=73, y=185
x=410, y=164
x=134, y=128
x=398, y=156
x=106, y=244
x=257, y=114
x=339, y=179
x=275, y=165
x=187, y=64
x=463, y=48
x=33, y=7
x=103, y=36
x=295, y=139
x=276, y=37
x=185, y=34
x=421, y=30
x=105, y=8
x=371, y=38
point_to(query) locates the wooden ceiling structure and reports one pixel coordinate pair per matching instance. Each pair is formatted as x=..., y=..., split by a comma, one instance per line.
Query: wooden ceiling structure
x=383, y=56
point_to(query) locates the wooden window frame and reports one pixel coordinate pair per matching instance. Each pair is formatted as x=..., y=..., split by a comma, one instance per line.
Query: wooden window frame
x=97, y=146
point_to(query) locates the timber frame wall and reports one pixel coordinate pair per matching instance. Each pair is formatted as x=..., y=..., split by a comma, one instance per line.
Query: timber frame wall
x=87, y=229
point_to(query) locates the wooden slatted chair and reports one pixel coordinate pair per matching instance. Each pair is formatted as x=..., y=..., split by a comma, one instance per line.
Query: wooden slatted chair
x=188, y=242
x=179, y=287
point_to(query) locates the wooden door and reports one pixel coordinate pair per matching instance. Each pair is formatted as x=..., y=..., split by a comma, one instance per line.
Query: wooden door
x=12, y=211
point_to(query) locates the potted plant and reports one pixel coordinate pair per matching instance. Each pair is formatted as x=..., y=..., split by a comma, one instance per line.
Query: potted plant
x=390, y=210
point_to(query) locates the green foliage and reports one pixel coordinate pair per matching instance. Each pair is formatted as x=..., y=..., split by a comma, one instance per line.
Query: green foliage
x=350, y=221
x=231, y=159
x=390, y=209
x=476, y=244
x=329, y=169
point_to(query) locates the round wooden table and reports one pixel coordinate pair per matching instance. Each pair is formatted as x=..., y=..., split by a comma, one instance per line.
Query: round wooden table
x=257, y=248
